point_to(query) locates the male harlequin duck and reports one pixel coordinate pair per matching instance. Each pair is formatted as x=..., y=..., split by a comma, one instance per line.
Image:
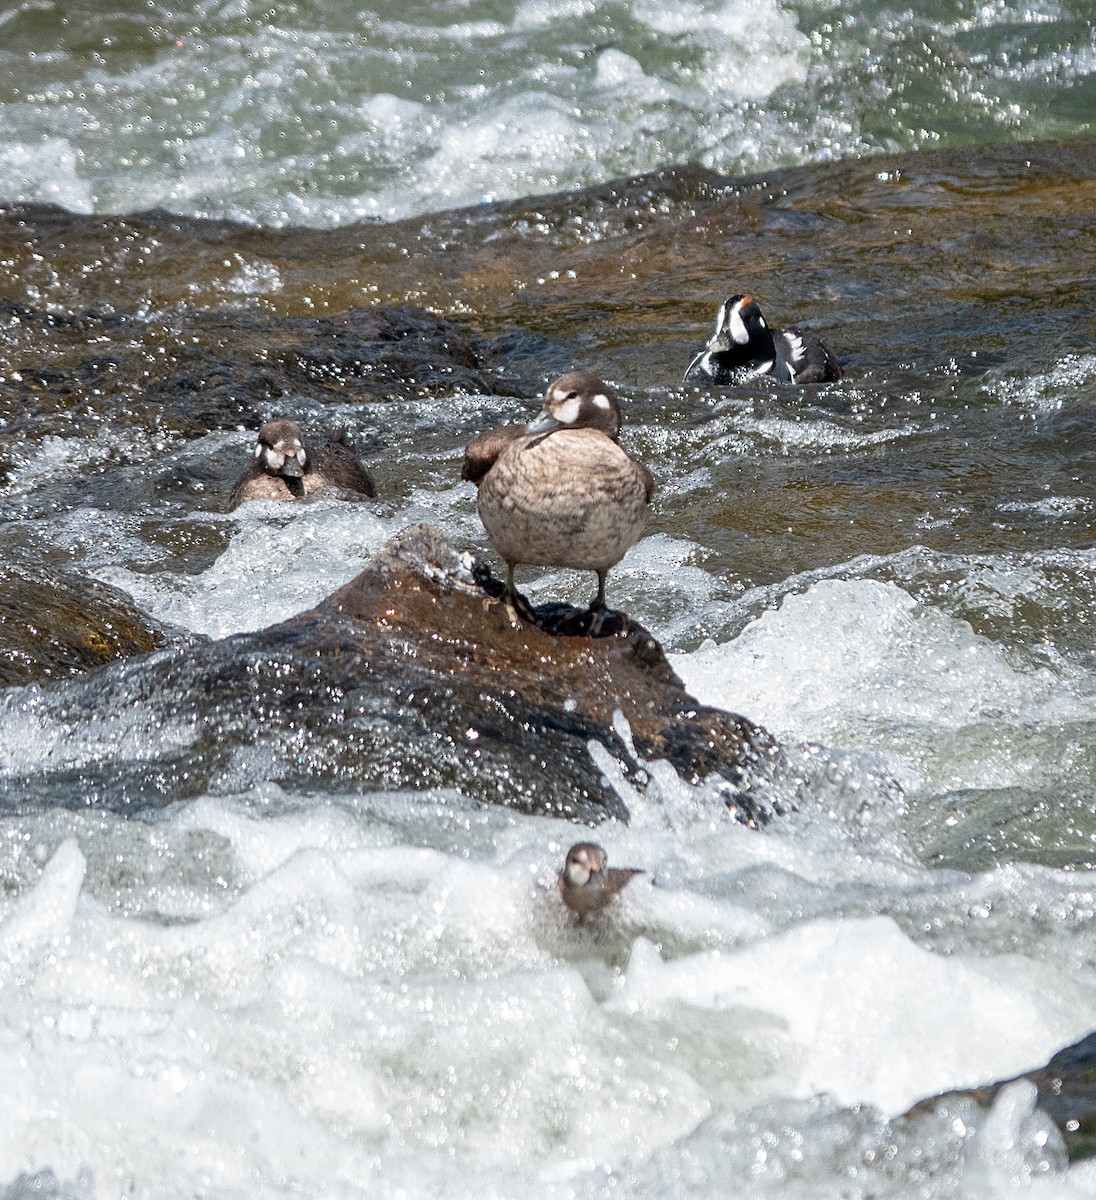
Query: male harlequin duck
x=744, y=347
x=586, y=884
x=283, y=468
x=560, y=492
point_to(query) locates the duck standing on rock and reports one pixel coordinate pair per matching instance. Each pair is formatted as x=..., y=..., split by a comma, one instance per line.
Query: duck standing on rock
x=560, y=491
x=283, y=468
x=744, y=347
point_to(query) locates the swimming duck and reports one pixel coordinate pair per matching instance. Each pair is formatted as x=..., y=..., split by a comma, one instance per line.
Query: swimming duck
x=560, y=491
x=586, y=884
x=283, y=468
x=744, y=347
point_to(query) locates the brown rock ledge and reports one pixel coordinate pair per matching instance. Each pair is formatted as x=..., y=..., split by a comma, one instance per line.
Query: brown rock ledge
x=539, y=692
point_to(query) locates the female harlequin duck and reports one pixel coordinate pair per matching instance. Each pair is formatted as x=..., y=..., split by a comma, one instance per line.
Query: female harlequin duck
x=586, y=883
x=744, y=347
x=283, y=468
x=560, y=492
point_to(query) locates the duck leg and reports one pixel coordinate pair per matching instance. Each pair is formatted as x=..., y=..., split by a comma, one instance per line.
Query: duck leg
x=518, y=608
x=597, y=607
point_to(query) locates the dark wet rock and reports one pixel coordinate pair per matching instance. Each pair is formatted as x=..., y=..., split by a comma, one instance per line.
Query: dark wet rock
x=412, y=675
x=1067, y=1094
x=54, y=624
x=189, y=372
x=45, y=1185
x=539, y=682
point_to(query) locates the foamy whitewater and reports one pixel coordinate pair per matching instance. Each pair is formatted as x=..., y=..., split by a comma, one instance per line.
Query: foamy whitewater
x=319, y=114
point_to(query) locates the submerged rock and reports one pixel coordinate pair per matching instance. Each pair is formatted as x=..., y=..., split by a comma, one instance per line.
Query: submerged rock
x=74, y=375
x=1067, y=1094
x=54, y=624
x=412, y=675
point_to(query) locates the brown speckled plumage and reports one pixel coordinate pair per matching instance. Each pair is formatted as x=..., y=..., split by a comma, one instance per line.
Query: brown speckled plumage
x=561, y=492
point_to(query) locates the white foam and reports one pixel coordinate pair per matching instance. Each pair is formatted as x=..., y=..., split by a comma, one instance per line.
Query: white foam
x=860, y=664
x=373, y=992
x=797, y=435
x=41, y=735
x=46, y=169
x=493, y=108
x=1047, y=391
x=277, y=565
x=56, y=459
x=798, y=1152
x=284, y=559
x=848, y=992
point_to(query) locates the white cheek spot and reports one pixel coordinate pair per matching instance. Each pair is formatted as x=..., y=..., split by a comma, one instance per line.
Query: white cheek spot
x=761, y=322
x=558, y=394
x=738, y=329
x=259, y=449
x=601, y=400
x=567, y=413
x=720, y=320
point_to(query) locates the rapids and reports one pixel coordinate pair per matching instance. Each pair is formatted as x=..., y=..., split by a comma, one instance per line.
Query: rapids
x=229, y=989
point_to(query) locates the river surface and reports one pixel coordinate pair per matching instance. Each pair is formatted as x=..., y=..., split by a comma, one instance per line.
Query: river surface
x=276, y=990
x=327, y=111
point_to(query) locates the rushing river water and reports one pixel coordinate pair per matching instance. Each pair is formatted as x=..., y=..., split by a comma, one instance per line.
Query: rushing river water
x=254, y=988
x=323, y=112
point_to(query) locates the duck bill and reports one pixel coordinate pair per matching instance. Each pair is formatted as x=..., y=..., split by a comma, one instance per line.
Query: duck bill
x=544, y=423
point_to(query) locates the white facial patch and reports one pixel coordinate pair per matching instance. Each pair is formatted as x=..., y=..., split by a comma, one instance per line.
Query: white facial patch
x=259, y=449
x=601, y=401
x=738, y=328
x=578, y=871
x=720, y=320
x=567, y=412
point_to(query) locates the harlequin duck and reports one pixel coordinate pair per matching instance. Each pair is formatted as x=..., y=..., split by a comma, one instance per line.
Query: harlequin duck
x=744, y=347
x=283, y=468
x=586, y=884
x=560, y=492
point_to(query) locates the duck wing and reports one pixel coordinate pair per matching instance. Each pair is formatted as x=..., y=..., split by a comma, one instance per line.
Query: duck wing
x=341, y=467
x=618, y=878
x=482, y=452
